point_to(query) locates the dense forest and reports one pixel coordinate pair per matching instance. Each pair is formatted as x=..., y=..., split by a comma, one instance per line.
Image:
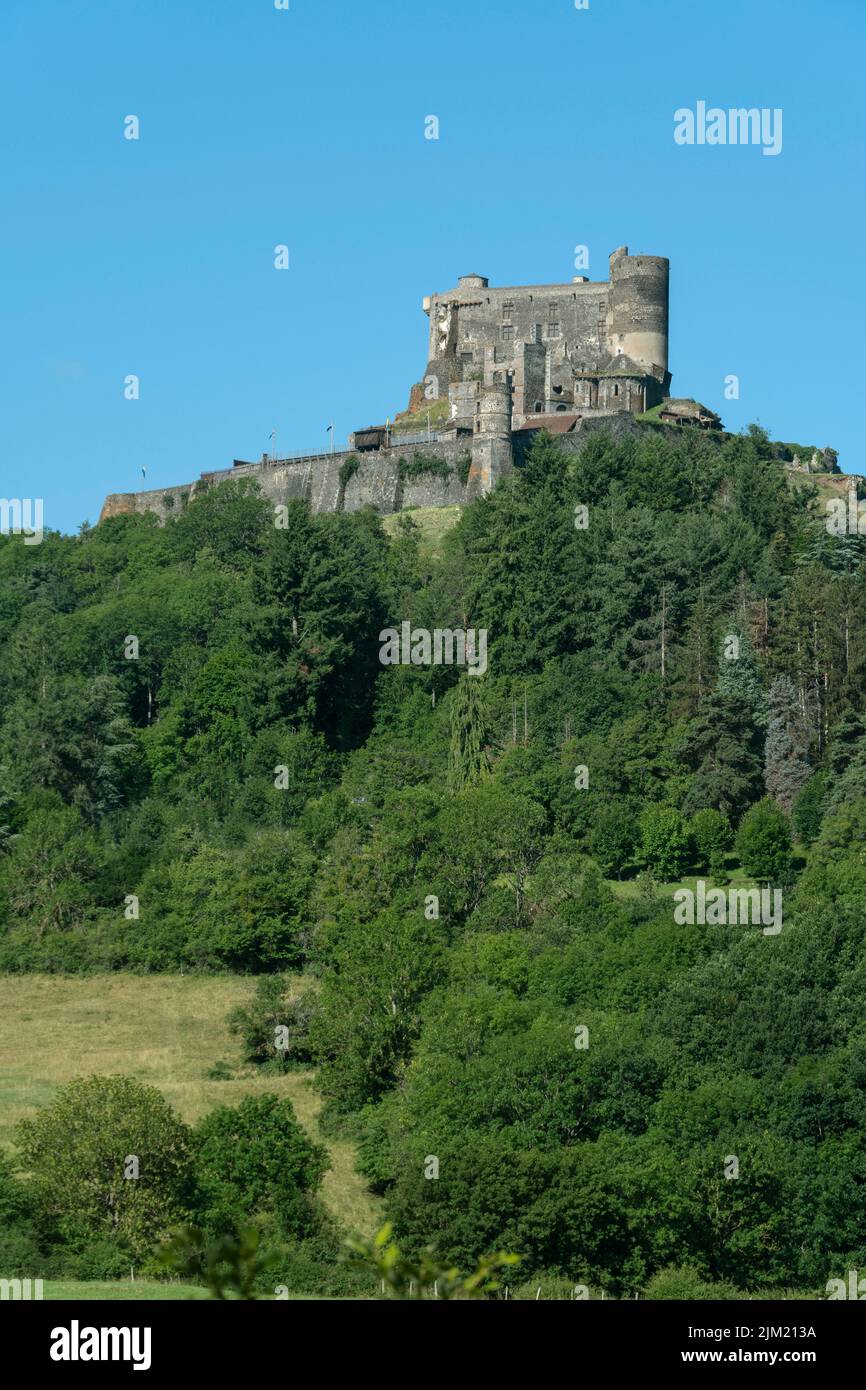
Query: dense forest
x=458, y=890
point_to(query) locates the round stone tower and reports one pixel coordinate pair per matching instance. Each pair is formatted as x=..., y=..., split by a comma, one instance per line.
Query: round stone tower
x=494, y=410
x=637, y=319
x=491, y=446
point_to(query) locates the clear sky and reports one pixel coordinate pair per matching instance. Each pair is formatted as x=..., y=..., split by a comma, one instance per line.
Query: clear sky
x=306, y=127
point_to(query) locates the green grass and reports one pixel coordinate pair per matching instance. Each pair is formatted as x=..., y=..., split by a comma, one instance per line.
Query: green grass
x=631, y=888
x=413, y=424
x=433, y=522
x=128, y=1290
x=167, y=1031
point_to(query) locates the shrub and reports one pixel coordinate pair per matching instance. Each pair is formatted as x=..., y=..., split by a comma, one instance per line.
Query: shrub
x=682, y=1284
x=419, y=464
x=348, y=469
x=271, y=1009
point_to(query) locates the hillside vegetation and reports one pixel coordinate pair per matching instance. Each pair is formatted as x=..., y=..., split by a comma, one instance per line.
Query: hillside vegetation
x=457, y=890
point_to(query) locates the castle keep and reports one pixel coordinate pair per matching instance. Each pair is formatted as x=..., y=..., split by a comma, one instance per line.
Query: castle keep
x=505, y=362
x=590, y=348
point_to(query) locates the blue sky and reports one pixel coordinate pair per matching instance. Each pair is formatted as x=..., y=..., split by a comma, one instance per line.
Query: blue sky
x=305, y=127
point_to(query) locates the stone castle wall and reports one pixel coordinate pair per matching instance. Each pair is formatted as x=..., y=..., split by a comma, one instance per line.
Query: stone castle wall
x=378, y=482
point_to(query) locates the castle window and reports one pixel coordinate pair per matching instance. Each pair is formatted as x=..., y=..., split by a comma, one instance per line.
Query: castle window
x=616, y=388
x=538, y=407
x=554, y=330
x=508, y=310
x=507, y=330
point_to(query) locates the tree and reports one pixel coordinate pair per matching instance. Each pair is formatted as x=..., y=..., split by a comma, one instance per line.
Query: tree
x=369, y=1015
x=253, y=1160
x=721, y=746
x=738, y=673
x=786, y=769
x=665, y=841
x=47, y=878
x=764, y=842
x=711, y=836
x=809, y=808
x=275, y=1025
x=468, y=756
x=108, y=1158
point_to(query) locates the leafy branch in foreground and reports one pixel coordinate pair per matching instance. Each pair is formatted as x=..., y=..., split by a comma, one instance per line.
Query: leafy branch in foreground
x=229, y=1265
x=406, y=1279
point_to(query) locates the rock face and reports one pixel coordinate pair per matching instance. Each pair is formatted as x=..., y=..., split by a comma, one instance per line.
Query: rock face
x=120, y=504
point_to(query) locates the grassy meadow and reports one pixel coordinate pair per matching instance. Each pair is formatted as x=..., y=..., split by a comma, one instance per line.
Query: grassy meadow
x=164, y=1030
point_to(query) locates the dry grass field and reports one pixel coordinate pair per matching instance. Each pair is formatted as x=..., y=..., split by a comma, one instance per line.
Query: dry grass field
x=165, y=1030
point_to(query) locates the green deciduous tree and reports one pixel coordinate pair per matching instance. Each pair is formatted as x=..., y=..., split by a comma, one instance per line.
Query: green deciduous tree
x=109, y=1159
x=764, y=842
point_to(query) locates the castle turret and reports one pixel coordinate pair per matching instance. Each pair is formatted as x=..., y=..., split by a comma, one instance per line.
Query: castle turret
x=491, y=447
x=637, y=320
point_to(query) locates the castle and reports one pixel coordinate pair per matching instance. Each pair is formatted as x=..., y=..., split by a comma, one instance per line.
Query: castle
x=503, y=363
x=586, y=347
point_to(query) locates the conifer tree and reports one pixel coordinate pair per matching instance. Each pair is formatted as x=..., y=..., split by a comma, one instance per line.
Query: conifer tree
x=468, y=757
x=786, y=768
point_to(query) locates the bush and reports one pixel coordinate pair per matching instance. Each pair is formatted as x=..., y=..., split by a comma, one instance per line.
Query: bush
x=271, y=1009
x=20, y=1252
x=764, y=842
x=419, y=464
x=683, y=1284
x=348, y=469
x=552, y=1289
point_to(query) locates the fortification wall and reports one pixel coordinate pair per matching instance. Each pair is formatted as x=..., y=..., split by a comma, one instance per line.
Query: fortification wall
x=385, y=480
